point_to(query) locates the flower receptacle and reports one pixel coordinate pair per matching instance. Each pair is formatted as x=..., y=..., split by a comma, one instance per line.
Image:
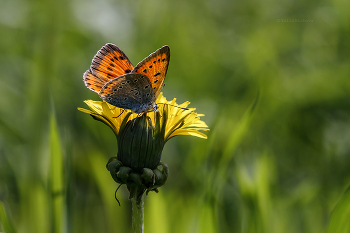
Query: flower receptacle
x=138, y=182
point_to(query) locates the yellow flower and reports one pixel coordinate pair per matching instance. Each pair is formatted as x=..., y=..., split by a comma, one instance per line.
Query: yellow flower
x=141, y=138
x=178, y=120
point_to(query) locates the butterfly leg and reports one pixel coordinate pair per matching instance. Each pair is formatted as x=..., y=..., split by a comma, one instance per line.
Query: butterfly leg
x=120, y=114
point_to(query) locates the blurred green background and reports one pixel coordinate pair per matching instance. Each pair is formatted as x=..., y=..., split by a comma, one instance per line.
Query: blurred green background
x=272, y=78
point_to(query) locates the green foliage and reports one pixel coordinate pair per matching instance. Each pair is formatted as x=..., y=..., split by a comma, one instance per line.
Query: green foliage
x=274, y=163
x=6, y=224
x=56, y=179
x=339, y=221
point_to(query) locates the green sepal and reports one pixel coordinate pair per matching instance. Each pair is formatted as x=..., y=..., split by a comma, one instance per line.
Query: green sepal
x=148, y=175
x=113, y=166
x=123, y=174
x=159, y=178
x=135, y=177
x=139, y=143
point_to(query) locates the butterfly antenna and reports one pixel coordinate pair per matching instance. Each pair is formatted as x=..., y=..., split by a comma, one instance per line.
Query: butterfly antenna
x=115, y=194
x=175, y=106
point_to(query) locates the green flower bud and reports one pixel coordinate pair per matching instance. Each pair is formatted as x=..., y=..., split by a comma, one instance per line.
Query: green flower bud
x=140, y=144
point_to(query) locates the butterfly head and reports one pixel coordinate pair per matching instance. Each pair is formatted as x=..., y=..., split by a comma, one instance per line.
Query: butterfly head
x=146, y=107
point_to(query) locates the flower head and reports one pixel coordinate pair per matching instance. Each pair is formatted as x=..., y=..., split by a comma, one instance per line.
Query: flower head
x=141, y=140
x=177, y=119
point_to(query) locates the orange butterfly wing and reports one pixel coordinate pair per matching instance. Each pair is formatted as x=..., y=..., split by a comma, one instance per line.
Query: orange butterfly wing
x=155, y=67
x=93, y=82
x=109, y=62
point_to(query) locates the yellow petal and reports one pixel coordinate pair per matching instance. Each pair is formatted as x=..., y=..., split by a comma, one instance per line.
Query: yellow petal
x=188, y=132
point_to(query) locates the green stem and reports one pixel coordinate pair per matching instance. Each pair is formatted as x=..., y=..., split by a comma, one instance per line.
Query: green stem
x=137, y=215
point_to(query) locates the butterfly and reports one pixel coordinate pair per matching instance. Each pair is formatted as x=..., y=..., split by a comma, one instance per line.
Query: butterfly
x=116, y=81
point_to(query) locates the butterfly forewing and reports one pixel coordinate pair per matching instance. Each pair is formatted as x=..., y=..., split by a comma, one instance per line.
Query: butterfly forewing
x=110, y=62
x=155, y=67
x=130, y=91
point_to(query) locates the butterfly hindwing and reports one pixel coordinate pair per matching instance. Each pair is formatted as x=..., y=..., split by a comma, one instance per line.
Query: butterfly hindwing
x=155, y=67
x=110, y=62
x=129, y=91
x=93, y=82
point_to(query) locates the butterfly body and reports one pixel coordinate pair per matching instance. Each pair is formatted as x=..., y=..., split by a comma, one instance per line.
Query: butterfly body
x=117, y=82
